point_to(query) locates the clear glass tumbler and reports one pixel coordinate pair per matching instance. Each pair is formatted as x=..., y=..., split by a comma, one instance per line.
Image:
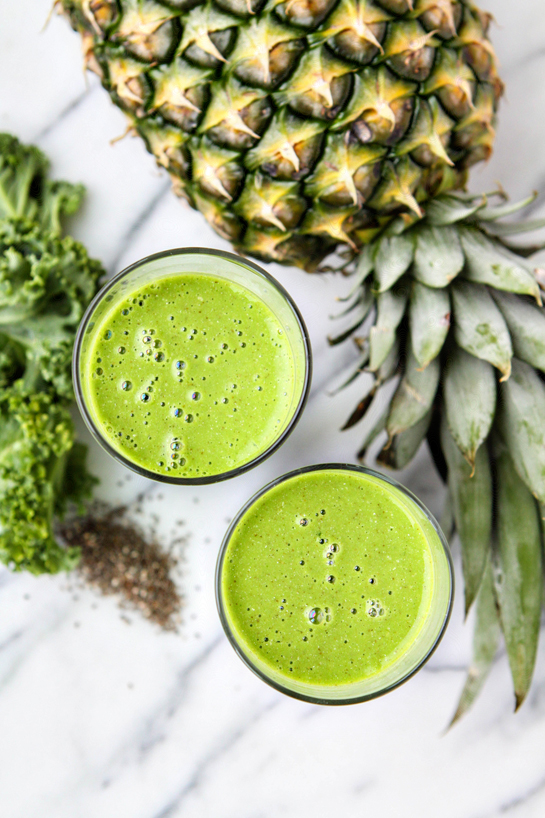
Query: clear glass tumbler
x=263, y=602
x=238, y=272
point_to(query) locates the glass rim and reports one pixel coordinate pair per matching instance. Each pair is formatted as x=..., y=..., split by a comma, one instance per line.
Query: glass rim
x=221, y=608
x=215, y=478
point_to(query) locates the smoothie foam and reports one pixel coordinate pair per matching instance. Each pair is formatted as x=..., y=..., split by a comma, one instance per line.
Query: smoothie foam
x=189, y=375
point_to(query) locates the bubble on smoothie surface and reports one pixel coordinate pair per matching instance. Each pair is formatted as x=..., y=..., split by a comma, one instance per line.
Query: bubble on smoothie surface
x=126, y=386
x=303, y=521
x=374, y=608
x=316, y=616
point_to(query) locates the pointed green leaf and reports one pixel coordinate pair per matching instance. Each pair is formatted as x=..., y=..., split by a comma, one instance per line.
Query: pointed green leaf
x=518, y=577
x=366, y=262
x=521, y=422
x=469, y=393
x=414, y=395
x=360, y=367
x=393, y=258
x=378, y=412
x=429, y=320
x=526, y=323
x=450, y=209
x=362, y=300
x=525, y=250
x=479, y=327
x=361, y=408
x=364, y=304
x=365, y=265
x=391, y=363
x=399, y=452
x=515, y=228
x=490, y=214
x=487, y=262
x=486, y=637
x=446, y=520
x=438, y=257
x=390, y=309
x=471, y=495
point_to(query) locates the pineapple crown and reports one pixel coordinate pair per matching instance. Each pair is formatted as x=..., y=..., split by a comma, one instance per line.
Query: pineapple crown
x=456, y=266
x=450, y=327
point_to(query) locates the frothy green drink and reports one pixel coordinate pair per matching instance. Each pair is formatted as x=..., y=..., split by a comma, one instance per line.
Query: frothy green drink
x=193, y=374
x=334, y=584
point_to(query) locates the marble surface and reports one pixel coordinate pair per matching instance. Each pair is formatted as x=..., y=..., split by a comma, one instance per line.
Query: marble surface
x=104, y=719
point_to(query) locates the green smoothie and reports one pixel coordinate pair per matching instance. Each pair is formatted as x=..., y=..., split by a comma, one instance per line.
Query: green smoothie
x=189, y=375
x=329, y=578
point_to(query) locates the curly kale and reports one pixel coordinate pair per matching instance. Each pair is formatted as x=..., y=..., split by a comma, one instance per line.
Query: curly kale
x=25, y=190
x=46, y=282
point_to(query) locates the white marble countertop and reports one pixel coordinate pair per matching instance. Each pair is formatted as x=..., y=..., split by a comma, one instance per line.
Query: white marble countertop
x=101, y=719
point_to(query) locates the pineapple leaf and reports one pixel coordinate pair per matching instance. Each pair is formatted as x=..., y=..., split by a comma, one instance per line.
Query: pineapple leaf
x=414, y=395
x=487, y=262
x=486, y=638
x=479, y=327
x=514, y=228
x=450, y=209
x=364, y=297
x=438, y=257
x=361, y=365
x=390, y=310
x=520, y=423
x=523, y=250
x=518, y=577
x=391, y=363
x=360, y=409
x=399, y=452
x=364, y=304
x=378, y=414
x=490, y=214
x=429, y=321
x=471, y=495
x=526, y=324
x=393, y=258
x=364, y=267
x=469, y=392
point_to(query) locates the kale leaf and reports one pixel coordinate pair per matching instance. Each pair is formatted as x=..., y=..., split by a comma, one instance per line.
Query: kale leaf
x=46, y=282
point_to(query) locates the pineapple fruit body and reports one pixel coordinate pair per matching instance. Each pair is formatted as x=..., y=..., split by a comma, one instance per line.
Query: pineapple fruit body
x=299, y=125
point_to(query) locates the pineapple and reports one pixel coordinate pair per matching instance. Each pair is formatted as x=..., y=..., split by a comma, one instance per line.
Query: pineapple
x=301, y=127
x=298, y=125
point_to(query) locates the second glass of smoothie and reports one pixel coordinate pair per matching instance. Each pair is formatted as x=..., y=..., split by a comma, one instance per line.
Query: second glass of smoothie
x=192, y=366
x=334, y=584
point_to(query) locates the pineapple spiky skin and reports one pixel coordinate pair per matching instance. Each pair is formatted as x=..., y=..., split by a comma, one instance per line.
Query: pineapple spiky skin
x=299, y=125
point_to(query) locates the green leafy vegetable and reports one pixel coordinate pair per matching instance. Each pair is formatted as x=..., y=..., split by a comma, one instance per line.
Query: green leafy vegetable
x=46, y=281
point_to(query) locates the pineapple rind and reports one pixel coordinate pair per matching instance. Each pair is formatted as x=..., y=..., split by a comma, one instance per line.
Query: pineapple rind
x=414, y=82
